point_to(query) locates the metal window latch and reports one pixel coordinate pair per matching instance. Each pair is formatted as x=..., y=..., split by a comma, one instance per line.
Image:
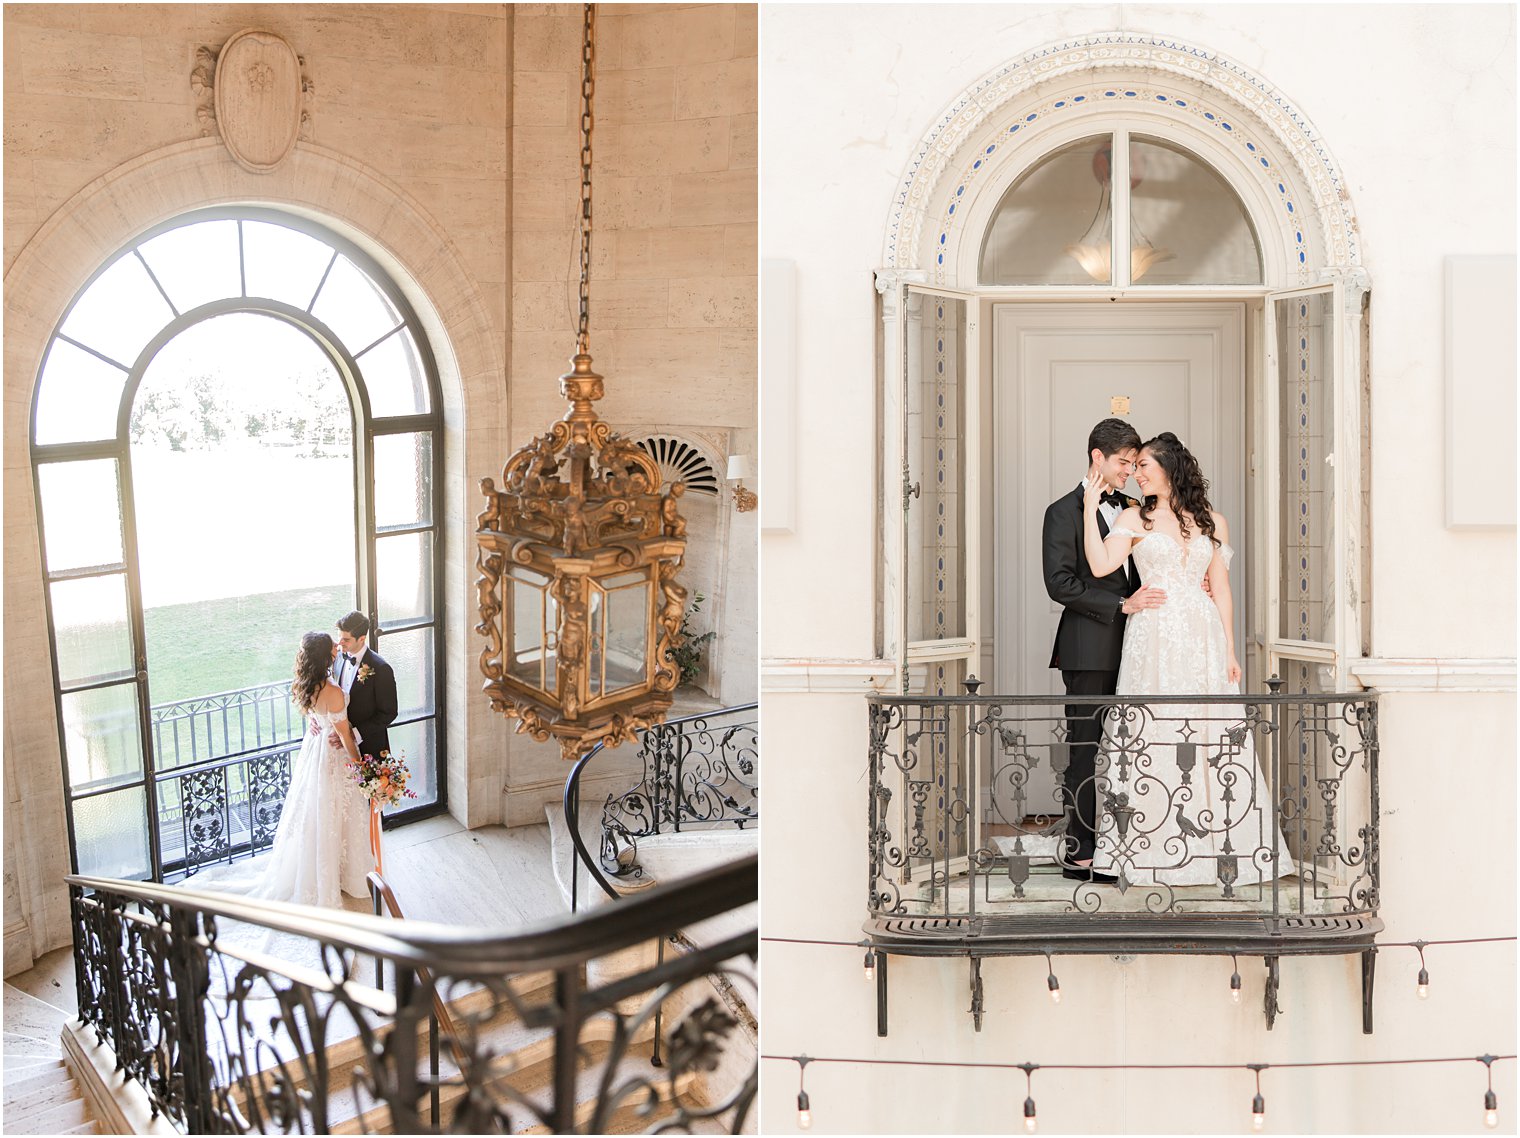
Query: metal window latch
x=912, y=491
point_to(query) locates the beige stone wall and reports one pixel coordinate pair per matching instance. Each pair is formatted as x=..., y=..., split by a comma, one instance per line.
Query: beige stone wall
x=673, y=298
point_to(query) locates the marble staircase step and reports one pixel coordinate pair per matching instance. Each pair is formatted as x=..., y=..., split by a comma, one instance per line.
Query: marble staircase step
x=23, y=1088
x=27, y=1015
x=54, y=1120
x=19, y=1045
x=42, y=1098
x=18, y=1068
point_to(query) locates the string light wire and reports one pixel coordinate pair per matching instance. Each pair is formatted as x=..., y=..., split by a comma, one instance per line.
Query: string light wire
x=1258, y=1103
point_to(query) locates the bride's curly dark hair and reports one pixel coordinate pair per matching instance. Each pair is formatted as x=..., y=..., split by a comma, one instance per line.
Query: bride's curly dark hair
x=313, y=662
x=1190, y=489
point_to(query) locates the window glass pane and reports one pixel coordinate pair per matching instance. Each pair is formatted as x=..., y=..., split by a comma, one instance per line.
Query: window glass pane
x=101, y=736
x=81, y=513
x=196, y=263
x=410, y=655
x=90, y=628
x=354, y=307
x=394, y=378
x=120, y=312
x=936, y=421
x=1306, y=499
x=1187, y=225
x=111, y=835
x=78, y=396
x=627, y=636
x=242, y=468
x=418, y=742
x=1054, y=224
x=531, y=615
x=403, y=479
x=404, y=575
x=283, y=263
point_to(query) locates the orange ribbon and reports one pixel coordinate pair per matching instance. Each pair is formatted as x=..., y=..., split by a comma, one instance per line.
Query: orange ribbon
x=374, y=835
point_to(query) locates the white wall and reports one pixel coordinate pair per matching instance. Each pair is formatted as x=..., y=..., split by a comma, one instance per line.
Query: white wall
x=1417, y=106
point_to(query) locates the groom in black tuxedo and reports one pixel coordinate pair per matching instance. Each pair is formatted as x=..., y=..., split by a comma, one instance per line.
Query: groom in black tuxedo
x=370, y=683
x=1090, y=637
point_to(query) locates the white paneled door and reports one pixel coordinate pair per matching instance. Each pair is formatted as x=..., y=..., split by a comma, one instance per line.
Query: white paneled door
x=1057, y=370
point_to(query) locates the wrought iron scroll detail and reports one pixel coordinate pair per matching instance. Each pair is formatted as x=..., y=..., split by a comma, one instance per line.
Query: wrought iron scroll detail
x=226, y=1039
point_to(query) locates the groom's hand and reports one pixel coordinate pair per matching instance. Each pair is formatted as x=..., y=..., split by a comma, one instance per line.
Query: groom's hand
x=1145, y=597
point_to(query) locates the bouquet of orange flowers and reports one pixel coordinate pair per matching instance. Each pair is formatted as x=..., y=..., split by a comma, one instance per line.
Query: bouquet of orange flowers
x=383, y=780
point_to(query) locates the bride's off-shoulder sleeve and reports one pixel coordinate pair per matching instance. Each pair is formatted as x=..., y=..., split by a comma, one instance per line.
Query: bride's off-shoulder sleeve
x=1226, y=553
x=1125, y=531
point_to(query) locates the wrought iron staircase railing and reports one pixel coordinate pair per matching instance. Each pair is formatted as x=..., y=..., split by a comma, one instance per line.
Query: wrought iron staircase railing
x=699, y=772
x=185, y=1011
x=1235, y=825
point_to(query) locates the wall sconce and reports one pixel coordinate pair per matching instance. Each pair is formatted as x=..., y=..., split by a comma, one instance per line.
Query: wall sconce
x=738, y=470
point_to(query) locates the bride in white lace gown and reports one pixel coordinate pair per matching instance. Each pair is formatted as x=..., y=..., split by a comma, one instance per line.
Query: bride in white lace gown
x=1182, y=799
x=321, y=847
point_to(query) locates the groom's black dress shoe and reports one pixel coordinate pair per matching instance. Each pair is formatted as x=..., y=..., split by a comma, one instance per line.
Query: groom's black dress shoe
x=1088, y=873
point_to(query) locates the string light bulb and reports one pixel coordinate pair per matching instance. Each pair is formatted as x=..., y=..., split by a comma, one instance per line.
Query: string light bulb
x=804, y=1107
x=1235, y=983
x=1258, y=1104
x=1031, y=1121
x=1422, y=985
x=1051, y=982
x=870, y=967
x=1490, y=1100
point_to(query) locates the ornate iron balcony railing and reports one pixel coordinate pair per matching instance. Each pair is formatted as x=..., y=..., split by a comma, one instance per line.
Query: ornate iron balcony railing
x=228, y=1040
x=214, y=811
x=227, y=723
x=1233, y=824
x=700, y=772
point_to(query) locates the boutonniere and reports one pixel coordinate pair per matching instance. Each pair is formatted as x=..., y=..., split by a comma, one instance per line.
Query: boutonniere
x=365, y=672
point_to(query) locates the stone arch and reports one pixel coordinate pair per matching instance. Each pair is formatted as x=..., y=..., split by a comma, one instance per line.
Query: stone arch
x=1250, y=132
x=379, y=215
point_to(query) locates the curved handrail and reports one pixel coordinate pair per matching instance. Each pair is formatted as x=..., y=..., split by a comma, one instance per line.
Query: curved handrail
x=572, y=799
x=380, y=890
x=466, y=953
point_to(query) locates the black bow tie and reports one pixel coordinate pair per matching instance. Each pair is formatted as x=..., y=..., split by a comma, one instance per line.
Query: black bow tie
x=1112, y=498
x=348, y=658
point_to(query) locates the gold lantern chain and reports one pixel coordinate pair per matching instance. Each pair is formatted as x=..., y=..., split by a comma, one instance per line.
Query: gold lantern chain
x=588, y=92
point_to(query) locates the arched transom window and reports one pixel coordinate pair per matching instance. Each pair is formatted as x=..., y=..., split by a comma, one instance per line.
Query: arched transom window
x=1098, y=212
x=236, y=437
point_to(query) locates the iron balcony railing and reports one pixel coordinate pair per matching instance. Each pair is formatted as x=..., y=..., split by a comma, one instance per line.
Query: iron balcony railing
x=700, y=772
x=231, y=1040
x=1235, y=825
x=1262, y=805
x=214, y=811
x=253, y=718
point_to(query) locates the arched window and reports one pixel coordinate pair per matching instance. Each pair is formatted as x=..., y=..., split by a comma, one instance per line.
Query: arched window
x=1179, y=220
x=236, y=437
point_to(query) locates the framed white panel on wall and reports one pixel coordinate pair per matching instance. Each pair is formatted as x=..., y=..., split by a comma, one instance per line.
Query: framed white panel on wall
x=1480, y=390
x=778, y=396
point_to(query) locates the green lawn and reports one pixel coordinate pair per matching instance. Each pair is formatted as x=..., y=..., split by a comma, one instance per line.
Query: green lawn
x=234, y=642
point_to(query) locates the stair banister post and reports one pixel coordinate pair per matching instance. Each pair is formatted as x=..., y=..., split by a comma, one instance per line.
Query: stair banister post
x=567, y=997
x=192, y=976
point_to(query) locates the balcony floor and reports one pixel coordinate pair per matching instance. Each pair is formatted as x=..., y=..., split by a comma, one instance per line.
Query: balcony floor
x=1047, y=893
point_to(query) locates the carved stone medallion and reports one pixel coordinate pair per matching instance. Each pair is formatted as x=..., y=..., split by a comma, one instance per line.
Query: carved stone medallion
x=258, y=97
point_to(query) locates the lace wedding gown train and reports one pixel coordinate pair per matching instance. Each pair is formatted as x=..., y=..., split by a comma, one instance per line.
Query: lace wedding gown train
x=1181, y=798
x=321, y=847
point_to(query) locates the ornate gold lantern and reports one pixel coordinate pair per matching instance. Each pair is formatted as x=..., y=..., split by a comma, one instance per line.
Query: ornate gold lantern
x=578, y=554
